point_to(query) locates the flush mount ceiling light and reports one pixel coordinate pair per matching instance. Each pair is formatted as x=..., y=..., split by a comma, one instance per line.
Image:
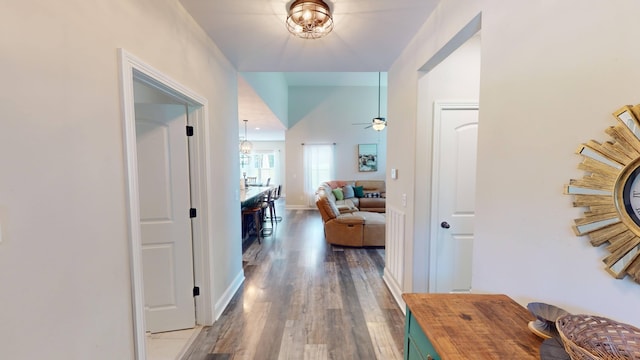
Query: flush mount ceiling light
x=309, y=19
x=245, y=145
x=378, y=123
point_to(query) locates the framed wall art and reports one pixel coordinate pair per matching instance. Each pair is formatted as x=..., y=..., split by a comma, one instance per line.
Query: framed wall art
x=367, y=157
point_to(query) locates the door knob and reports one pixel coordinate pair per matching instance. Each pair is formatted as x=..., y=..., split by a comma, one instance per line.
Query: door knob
x=445, y=225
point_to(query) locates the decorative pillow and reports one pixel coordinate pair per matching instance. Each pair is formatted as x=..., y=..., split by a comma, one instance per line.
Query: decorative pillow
x=338, y=194
x=372, y=195
x=358, y=191
x=348, y=192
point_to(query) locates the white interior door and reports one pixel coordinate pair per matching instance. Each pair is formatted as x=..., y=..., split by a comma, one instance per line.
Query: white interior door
x=163, y=173
x=455, y=146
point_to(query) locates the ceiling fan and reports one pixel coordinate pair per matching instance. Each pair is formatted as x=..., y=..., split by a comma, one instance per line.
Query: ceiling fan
x=378, y=123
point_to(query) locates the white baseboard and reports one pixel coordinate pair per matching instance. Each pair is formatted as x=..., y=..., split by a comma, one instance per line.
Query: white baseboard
x=299, y=207
x=395, y=290
x=228, y=294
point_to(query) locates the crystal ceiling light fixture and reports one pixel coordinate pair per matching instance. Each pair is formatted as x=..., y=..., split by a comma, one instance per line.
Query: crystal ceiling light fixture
x=309, y=19
x=379, y=123
x=245, y=145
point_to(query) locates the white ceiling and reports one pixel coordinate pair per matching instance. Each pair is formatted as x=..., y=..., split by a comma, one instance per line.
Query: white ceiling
x=368, y=36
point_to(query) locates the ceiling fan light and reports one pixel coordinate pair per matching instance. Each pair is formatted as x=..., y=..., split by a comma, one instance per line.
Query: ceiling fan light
x=378, y=124
x=309, y=19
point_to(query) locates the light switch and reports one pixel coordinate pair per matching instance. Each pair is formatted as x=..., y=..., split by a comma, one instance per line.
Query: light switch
x=404, y=200
x=394, y=173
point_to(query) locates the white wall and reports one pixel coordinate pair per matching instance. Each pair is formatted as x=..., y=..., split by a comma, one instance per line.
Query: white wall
x=551, y=74
x=64, y=255
x=325, y=114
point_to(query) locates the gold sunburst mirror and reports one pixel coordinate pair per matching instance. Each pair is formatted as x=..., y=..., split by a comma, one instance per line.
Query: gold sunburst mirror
x=610, y=190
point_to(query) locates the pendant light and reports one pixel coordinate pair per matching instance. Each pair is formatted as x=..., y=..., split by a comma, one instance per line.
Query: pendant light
x=378, y=123
x=245, y=145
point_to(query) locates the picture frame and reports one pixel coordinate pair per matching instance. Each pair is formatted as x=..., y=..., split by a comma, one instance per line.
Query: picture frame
x=367, y=157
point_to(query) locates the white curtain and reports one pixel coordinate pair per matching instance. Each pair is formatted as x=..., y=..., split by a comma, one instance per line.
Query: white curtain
x=318, y=167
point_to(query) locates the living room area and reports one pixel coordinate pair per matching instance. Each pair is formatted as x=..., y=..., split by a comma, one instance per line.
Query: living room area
x=306, y=129
x=322, y=116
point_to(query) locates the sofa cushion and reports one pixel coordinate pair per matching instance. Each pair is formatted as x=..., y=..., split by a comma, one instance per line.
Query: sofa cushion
x=348, y=192
x=338, y=194
x=372, y=204
x=336, y=183
x=325, y=190
x=328, y=209
x=346, y=206
x=350, y=219
x=372, y=218
x=372, y=195
x=358, y=191
x=372, y=185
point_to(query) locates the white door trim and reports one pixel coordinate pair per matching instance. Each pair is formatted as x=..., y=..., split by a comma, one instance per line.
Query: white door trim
x=438, y=107
x=133, y=68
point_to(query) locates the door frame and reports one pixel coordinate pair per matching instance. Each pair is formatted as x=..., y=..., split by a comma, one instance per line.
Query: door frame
x=197, y=106
x=438, y=107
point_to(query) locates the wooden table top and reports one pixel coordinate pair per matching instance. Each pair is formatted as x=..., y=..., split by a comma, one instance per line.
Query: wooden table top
x=475, y=326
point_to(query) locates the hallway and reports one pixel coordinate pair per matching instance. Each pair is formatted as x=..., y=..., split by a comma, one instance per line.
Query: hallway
x=305, y=299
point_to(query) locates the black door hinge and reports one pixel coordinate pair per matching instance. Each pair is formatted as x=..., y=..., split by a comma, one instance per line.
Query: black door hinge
x=192, y=213
x=189, y=130
x=196, y=291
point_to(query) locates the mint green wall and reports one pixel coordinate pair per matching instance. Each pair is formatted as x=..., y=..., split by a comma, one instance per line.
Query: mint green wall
x=272, y=88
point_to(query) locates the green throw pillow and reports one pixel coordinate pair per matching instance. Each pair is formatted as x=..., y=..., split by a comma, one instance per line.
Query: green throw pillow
x=358, y=191
x=338, y=194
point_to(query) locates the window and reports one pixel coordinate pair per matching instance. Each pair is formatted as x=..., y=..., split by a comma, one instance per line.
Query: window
x=318, y=167
x=262, y=165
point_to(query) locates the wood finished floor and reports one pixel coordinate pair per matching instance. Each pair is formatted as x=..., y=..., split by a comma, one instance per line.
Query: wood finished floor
x=305, y=299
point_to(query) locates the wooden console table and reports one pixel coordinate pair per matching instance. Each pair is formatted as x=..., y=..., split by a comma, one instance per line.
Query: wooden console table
x=467, y=326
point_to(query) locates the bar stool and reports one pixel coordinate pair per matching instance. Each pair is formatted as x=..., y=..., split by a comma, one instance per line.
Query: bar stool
x=254, y=211
x=272, y=204
x=266, y=200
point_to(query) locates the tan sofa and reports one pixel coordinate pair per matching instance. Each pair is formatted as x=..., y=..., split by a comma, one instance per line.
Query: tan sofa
x=375, y=188
x=349, y=226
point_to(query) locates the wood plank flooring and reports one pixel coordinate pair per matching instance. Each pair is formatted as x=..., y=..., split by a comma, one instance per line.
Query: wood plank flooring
x=305, y=299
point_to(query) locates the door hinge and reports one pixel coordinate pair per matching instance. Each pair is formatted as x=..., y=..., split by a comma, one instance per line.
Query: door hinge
x=192, y=213
x=189, y=130
x=196, y=291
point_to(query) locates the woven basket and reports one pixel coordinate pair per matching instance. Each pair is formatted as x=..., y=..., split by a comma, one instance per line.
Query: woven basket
x=589, y=337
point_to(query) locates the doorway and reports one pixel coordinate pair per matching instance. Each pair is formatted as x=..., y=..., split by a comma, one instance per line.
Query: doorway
x=453, y=196
x=133, y=71
x=164, y=186
x=450, y=78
